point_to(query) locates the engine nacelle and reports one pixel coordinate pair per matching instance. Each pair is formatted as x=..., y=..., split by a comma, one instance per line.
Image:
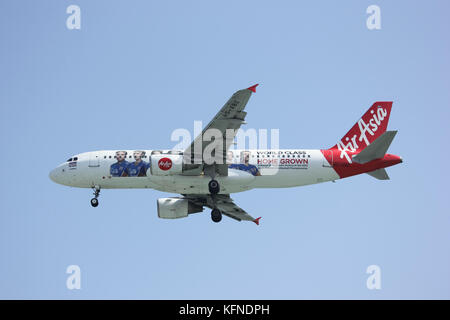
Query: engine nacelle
x=166, y=164
x=174, y=208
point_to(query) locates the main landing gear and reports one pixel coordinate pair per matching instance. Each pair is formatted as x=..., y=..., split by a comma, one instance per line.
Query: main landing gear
x=216, y=215
x=214, y=187
x=94, y=201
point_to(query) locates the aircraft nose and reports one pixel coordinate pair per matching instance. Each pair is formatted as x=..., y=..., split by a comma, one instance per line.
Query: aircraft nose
x=53, y=175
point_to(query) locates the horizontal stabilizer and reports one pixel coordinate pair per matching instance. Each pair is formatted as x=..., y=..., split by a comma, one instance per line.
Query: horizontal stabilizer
x=376, y=149
x=379, y=174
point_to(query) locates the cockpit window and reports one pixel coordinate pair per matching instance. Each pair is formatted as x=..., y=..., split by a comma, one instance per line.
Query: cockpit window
x=75, y=159
x=69, y=160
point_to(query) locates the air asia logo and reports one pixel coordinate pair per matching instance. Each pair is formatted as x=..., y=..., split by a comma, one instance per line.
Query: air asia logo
x=370, y=127
x=165, y=164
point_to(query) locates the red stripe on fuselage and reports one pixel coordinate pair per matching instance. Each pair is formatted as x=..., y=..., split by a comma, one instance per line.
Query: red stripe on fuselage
x=345, y=169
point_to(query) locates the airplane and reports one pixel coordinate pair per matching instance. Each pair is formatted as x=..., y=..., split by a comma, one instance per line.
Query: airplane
x=208, y=179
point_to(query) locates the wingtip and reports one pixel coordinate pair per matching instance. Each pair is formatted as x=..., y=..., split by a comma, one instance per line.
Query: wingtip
x=257, y=221
x=253, y=88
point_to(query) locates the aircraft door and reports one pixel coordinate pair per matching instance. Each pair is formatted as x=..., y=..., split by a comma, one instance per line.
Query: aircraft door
x=94, y=159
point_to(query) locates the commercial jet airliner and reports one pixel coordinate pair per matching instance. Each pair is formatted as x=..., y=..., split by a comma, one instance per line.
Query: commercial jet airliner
x=208, y=171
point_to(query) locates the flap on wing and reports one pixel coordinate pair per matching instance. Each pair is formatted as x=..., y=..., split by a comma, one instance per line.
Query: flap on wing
x=225, y=204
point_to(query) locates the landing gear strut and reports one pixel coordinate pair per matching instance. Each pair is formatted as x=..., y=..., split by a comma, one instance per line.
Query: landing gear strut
x=216, y=215
x=94, y=201
x=213, y=184
x=214, y=187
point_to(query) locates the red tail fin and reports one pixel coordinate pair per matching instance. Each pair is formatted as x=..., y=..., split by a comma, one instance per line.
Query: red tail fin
x=371, y=125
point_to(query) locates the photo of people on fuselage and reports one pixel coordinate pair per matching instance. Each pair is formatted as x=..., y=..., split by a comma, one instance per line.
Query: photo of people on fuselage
x=244, y=165
x=230, y=157
x=139, y=167
x=118, y=169
x=123, y=168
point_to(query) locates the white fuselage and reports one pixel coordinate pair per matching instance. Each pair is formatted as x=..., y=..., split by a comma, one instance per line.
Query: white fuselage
x=277, y=169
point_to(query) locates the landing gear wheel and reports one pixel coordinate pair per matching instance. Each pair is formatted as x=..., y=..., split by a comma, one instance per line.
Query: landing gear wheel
x=216, y=215
x=94, y=202
x=214, y=187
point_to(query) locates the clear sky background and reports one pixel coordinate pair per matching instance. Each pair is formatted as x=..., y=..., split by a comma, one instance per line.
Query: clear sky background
x=137, y=70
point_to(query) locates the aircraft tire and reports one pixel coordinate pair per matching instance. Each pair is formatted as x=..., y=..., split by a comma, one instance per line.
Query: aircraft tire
x=94, y=202
x=216, y=215
x=214, y=187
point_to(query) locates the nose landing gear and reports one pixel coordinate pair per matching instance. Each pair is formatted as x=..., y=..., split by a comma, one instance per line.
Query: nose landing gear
x=94, y=201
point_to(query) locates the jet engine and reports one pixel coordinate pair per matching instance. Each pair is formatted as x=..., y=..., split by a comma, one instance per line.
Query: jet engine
x=174, y=208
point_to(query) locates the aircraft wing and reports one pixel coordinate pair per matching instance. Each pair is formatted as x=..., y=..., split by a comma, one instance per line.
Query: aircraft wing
x=231, y=116
x=224, y=203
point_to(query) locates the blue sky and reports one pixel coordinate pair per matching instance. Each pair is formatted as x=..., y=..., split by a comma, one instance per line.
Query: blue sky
x=137, y=70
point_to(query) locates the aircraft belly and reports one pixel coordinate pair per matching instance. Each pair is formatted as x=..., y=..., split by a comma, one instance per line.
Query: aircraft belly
x=126, y=183
x=234, y=182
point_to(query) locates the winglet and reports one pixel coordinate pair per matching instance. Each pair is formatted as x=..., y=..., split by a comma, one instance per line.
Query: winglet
x=253, y=88
x=257, y=221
